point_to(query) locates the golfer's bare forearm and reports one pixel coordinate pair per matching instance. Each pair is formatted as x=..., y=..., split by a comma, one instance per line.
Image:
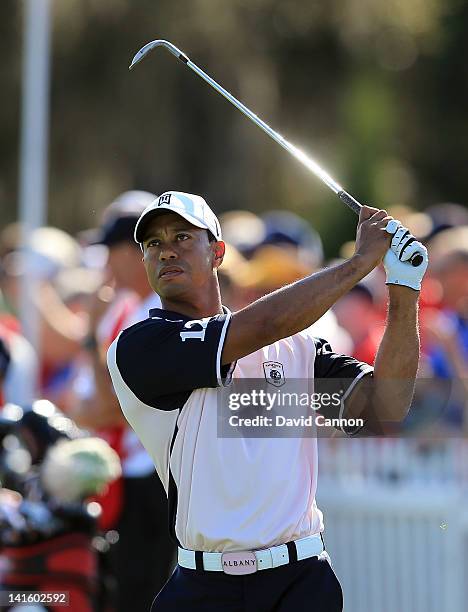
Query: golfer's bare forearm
x=397, y=359
x=386, y=396
x=291, y=309
x=398, y=353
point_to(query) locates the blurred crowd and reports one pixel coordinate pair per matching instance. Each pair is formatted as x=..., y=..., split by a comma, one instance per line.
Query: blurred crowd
x=278, y=248
x=89, y=287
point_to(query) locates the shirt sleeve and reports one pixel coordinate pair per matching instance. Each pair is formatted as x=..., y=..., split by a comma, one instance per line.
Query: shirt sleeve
x=159, y=358
x=345, y=371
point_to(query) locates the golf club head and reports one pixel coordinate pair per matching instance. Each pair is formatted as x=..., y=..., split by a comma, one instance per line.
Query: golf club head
x=143, y=52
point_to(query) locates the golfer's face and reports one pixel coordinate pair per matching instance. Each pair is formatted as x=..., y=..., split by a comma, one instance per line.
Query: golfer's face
x=178, y=257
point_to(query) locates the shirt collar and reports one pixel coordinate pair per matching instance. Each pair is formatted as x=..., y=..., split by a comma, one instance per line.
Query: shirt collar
x=175, y=316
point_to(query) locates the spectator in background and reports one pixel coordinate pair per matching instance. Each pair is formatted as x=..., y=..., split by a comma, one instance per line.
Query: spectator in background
x=446, y=330
x=4, y=363
x=18, y=383
x=243, y=230
x=49, y=253
x=246, y=231
x=273, y=267
x=357, y=314
x=444, y=216
x=270, y=267
x=228, y=278
x=10, y=237
x=138, y=510
x=286, y=229
x=280, y=248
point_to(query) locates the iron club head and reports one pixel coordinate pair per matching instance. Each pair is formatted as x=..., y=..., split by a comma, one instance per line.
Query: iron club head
x=152, y=45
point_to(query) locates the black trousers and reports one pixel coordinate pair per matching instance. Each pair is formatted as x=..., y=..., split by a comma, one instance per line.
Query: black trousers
x=308, y=585
x=144, y=556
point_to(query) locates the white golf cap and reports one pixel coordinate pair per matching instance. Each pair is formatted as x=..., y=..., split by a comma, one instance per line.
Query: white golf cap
x=191, y=207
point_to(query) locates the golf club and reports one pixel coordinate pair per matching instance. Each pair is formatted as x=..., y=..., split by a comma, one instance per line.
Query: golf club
x=309, y=163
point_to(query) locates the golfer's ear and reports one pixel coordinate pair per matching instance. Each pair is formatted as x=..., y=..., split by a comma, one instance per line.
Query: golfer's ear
x=219, y=248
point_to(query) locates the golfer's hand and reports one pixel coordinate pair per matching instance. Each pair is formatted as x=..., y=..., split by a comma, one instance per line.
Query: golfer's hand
x=402, y=272
x=397, y=259
x=372, y=239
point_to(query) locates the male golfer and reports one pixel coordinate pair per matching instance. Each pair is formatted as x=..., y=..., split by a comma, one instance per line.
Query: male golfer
x=243, y=510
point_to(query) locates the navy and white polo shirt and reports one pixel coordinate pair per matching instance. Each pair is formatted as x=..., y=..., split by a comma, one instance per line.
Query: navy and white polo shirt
x=225, y=494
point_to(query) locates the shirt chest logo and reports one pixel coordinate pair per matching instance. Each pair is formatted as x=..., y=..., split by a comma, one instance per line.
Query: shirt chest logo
x=274, y=373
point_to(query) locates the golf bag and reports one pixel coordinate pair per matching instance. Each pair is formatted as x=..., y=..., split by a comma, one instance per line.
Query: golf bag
x=49, y=540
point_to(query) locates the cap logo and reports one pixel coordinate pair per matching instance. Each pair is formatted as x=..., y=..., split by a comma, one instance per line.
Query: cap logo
x=164, y=199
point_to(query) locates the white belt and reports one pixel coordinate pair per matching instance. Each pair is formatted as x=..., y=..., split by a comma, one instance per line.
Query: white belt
x=250, y=561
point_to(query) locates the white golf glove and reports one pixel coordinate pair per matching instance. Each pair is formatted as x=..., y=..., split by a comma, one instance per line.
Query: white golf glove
x=396, y=262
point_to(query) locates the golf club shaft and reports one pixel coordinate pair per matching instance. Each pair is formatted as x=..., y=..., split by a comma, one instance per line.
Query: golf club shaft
x=297, y=153
x=309, y=163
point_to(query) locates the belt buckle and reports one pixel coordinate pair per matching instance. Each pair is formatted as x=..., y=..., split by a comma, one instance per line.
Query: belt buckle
x=239, y=563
